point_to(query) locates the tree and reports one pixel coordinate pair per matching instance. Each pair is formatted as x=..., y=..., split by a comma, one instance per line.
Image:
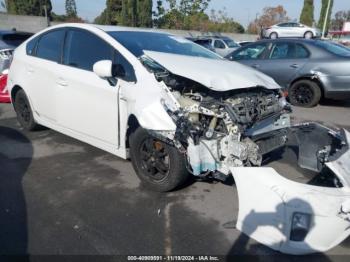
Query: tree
x=307, y=14
x=190, y=15
x=71, y=8
x=137, y=13
x=269, y=17
x=324, y=8
x=25, y=7
x=112, y=15
x=144, y=11
x=339, y=19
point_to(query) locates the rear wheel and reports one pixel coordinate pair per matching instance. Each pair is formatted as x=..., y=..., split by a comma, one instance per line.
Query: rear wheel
x=24, y=112
x=308, y=35
x=305, y=93
x=159, y=166
x=273, y=35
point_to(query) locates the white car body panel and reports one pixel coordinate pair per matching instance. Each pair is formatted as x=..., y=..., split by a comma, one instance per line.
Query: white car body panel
x=214, y=74
x=80, y=104
x=269, y=221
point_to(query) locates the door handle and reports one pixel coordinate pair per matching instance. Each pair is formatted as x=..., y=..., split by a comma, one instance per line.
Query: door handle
x=294, y=66
x=62, y=82
x=256, y=65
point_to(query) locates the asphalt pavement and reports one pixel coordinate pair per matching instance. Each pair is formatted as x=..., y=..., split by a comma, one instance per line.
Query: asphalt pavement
x=62, y=196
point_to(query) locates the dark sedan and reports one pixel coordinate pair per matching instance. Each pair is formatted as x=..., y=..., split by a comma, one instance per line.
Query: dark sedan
x=9, y=40
x=307, y=69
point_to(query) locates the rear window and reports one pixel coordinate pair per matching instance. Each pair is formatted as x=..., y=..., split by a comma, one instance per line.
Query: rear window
x=334, y=48
x=15, y=39
x=50, y=45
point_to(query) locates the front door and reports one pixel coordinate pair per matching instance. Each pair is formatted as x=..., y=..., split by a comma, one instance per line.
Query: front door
x=87, y=104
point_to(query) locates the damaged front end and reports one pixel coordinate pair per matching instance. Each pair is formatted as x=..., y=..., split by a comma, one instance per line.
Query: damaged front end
x=231, y=132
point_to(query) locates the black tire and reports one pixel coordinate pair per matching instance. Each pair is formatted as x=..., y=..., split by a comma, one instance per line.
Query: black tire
x=305, y=93
x=159, y=166
x=308, y=35
x=273, y=35
x=24, y=111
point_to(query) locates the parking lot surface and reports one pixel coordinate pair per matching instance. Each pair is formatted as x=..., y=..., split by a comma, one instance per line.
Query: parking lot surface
x=61, y=196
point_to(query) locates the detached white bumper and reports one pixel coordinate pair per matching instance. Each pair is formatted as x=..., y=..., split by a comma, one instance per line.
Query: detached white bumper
x=291, y=217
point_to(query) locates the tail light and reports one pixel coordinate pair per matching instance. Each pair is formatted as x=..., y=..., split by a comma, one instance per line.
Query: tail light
x=3, y=83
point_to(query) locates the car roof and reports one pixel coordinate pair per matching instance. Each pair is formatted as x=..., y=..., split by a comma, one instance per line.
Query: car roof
x=295, y=40
x=12, y=32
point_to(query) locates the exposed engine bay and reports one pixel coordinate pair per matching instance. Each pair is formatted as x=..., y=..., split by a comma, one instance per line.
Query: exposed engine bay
x=221, y=130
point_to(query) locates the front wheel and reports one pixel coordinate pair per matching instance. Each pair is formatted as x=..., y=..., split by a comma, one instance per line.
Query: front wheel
x=305, y=93
x=159, y=166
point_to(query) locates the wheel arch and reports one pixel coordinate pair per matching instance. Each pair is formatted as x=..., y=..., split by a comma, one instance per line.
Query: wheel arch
x=132, y=125
x=14, y=91
x=309, y=31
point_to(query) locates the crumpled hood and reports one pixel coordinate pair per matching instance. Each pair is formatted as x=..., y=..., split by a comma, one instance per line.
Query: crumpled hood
x=218, y=75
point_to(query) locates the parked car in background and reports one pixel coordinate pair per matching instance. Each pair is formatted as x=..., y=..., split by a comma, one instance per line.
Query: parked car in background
x=4, y=94
x=205, y=43
x=219, y=44
x=9, y=40
x=341, y=37
x=244, y=43
x=12, y=39
x=290, y=29
x=307, y=69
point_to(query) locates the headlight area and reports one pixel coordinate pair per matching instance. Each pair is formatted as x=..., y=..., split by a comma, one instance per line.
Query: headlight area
x=216, y=132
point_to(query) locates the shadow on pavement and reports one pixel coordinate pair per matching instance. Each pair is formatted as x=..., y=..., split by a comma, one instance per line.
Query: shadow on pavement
x=16, y=154
x=339, y=103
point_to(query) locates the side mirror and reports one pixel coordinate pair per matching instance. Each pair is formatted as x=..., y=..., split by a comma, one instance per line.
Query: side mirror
x=103, y=68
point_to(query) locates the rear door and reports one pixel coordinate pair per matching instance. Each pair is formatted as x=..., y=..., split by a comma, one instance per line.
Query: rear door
x=41, y=67
x=284, y=61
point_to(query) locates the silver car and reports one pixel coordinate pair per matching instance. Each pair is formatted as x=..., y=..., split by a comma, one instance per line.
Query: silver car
x=222, y=45
x=290, y=29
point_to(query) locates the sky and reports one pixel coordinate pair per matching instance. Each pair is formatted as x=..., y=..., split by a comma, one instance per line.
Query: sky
x=243, y=11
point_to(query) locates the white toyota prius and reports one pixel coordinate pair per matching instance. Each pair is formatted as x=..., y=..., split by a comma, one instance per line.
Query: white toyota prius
x=177, y=109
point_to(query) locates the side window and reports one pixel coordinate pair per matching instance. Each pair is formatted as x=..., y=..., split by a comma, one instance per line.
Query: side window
x=219, y=44
x=83, y=49
x=301, y=51
x=251, y=52
x=50, y=46
x=31, y=45
x=282, y=51
x=129, y=71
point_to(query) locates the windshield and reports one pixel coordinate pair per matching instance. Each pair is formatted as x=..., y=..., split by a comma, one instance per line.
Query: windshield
x=334, y=48
x=230, y=43
x=138, y=42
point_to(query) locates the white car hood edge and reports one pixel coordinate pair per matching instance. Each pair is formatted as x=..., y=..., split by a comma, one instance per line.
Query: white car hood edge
x=218, y=75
